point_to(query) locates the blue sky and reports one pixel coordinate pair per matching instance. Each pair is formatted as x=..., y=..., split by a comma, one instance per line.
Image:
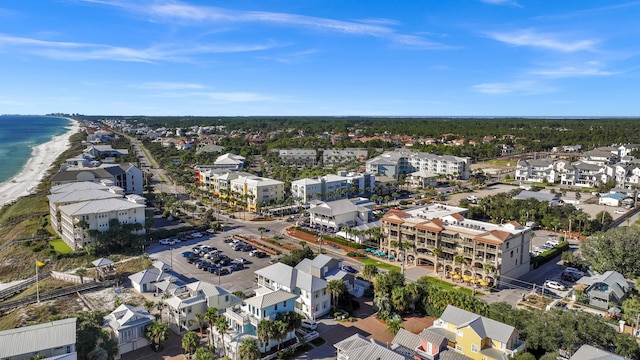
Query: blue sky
x=270, y=57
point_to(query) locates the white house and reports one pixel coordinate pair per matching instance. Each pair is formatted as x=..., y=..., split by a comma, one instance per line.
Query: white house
x=612, y=199
x=340, y=213
x=55, y=340
x=146, y=280
x=196, y=298
x=128, y=324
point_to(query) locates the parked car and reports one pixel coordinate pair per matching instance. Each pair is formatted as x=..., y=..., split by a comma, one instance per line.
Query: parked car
x=202, y=264
x=241, y=260
x=246, y=248
x=236, y=266
x=349, y=269
x=228, y=239
x=261, y=254
x=221, y=271
x=556, y=285
x=309, y=324
x=197, y=235
x=187, y=254
x=224, y=262
x=553, y=242
x=620, y=211
x=167, y=242
x=254, y=253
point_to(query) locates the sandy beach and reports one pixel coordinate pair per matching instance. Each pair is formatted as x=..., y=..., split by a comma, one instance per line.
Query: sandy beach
x=42, y=158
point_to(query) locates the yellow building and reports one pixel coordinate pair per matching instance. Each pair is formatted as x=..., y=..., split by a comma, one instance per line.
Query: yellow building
x=477, y=337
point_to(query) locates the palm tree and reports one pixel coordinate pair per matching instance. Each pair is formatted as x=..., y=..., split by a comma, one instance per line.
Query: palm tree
x=261, y=229
x=394, y=325
x=157, y=332
x=203, y=354
x=81, y=272
x=337, y=288
x=190, y=342
x=382, y=302
x=399, y=299
x=265, y=332
x=437, y=252
x=280, y=331
x=249, y=350
x=221, y=326
x=210, y=317
x=199, y=317
x=369, y=272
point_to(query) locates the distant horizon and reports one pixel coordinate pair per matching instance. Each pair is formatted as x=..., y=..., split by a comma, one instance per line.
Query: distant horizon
x=479, y=58
x=577, y=117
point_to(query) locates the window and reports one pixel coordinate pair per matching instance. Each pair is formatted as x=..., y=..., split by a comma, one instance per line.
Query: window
x=459, y=333
x=284, y=304
x=474, y=348
x=459, y=348
x=275, y=307
x=511, y=253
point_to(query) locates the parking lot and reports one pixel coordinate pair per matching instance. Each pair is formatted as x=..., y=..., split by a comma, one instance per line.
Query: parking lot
x=241, y=280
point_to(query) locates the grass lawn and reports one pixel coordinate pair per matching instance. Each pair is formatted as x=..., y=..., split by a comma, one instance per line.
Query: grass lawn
x=60, y=246
x=380, y=264
x=449, y=286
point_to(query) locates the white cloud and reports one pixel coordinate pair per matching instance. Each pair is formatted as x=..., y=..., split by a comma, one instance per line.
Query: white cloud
x=188, y=14
x=164, y=85
x=240, y=97
x=592, y=68
x=75, y=51
x=541, y=40
x=523, y=87
x=501, y=2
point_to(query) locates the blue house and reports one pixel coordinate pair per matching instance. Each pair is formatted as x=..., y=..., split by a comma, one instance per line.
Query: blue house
x=244, y=320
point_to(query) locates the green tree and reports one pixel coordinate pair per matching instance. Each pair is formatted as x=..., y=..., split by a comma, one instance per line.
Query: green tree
x=157, y=332
x=190, y=342
x=222, y=326
x=394, y=325
x=616, y=249
x=399, y=299
x=249, y=350
x=81, y=272
x=337, y=288
x=210, y=317
x=369, y=272
x=203, y=354
x=266, y=332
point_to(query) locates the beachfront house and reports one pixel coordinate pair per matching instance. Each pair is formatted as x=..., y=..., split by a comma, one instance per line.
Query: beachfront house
x=51, y=340
x=127, y=324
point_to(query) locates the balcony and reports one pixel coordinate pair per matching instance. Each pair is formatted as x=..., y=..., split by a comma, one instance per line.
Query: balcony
x=238, y=316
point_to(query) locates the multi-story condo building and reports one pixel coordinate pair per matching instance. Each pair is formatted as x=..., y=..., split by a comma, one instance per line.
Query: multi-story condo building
x=334, y=157
x=402, y=162
x=218, y=181
x=470, y=247
x=298, y=157
x=229, y=161
x=243, y=320
x=583, y=174
x=536, y=171
x=77, y=218
x=332, y=187
x=463, y=334
x=257, y=190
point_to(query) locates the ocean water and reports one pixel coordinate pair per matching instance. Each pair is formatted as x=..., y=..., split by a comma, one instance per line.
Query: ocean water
x=19, y=134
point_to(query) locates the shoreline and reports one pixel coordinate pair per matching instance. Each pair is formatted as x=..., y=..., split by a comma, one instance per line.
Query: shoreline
x=42, y=157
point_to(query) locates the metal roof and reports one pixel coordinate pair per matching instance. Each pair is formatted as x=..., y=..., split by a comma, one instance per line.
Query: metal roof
x=270, y=299
x=31, y=339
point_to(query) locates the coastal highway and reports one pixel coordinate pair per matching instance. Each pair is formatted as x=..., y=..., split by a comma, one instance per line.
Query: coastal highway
x=161, y=180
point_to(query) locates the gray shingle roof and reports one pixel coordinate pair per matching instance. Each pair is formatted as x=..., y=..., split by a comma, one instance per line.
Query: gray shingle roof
x=485, y=327
x=453, y=355
x=588, y=352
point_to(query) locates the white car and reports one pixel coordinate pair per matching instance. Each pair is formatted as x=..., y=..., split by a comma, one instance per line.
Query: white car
x=553, y=242
x=167, y=242
x=620, y=212
x=309, y=324
x=555, y=285
x=254, y=252
x=197, y=235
